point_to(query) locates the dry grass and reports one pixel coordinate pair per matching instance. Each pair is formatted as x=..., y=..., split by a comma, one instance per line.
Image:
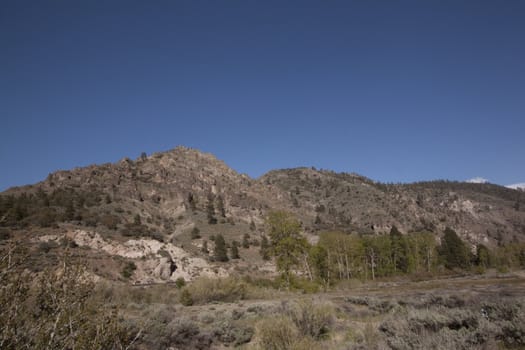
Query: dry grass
x=205, y=290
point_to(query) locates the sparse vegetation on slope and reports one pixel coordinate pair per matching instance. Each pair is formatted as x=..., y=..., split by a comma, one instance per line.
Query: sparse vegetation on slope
x=238, y=255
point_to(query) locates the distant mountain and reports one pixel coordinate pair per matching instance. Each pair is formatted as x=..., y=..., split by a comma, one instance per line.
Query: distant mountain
x=517, y=186
x=183, y=197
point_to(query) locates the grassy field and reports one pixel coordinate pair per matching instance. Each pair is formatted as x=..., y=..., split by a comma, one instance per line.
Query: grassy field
x=469, y=311
x=465, y=312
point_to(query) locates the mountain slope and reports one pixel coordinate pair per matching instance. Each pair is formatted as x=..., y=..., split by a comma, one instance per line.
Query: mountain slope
x=479, y=212
x=183, y=198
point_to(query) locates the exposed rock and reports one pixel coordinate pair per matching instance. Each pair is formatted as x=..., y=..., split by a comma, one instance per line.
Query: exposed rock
x=170, y=192
x=165, y=268
x=156, y=261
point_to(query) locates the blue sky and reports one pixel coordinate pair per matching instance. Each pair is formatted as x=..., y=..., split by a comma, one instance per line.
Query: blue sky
x=398, y=91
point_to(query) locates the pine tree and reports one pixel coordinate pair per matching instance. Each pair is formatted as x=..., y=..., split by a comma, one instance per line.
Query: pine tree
x=195, y=233
x=453, y=250
x=192, y=202
x=210, y=211
x=220, y=206
x=265, y=248
x=70, y=211
x=234, y=250
x=220, y=253
x=204, y=248
x=246, y=241
x=483, y=258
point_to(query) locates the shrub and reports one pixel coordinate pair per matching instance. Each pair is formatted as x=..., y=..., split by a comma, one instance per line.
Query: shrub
x=45, y=217
x=4, y=234
x=185, y=334
x=56, y=311
x=234, y=250
x=478, y=326
x=220, y=252
x=67, y=242
x=277, y=333
x=204, y=248
x=298, y=283
x=229, y=332
x=374, y=304
x=110, y=221
x=204, y=290
x=246, y=241
x=163, y=331
x=312, y=319
x=195, y=233
x=186, y=298
x=128, y=269
x=180, y=282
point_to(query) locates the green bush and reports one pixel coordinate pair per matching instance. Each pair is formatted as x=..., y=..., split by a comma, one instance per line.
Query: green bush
x=186, y=298
x=312, y=319
x=276, y=333
x=229, y=332
x=180, y=282
x=456, y=327
x=128, y=269
x=204, y=290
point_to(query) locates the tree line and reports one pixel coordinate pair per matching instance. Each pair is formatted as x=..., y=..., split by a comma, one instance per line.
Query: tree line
x=341, y=256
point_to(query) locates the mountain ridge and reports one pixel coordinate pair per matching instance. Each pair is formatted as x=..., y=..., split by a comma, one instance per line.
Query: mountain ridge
x=160, y=186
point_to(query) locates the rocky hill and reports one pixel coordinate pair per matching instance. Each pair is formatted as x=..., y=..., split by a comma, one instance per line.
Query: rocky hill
x=478, y=212
x=160, y=211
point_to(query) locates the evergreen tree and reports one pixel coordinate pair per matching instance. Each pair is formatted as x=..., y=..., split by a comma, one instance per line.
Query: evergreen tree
x=220, y=253
x=220, y=206
x=192, y=202
x=265, y=248
x=252, y=225
x=453, y=250
x=483, y=256
x=204, y=248
x=234, y=250
x=210, y=211
x=195, y=233
x=246, y=241
x=70, y=211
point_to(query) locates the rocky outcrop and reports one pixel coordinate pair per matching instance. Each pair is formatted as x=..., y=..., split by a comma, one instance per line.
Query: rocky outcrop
x=165, y=268
x=155, y=261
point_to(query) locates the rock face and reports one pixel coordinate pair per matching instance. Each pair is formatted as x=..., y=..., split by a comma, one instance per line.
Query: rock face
x=165, y=268
x=156, y=261
x=147, y=208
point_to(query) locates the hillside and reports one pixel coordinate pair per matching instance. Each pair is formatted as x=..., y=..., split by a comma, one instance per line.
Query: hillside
x=484, y=213
x=158, y=212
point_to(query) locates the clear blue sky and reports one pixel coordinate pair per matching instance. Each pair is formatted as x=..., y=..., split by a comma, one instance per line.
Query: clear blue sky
x=398, y=91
